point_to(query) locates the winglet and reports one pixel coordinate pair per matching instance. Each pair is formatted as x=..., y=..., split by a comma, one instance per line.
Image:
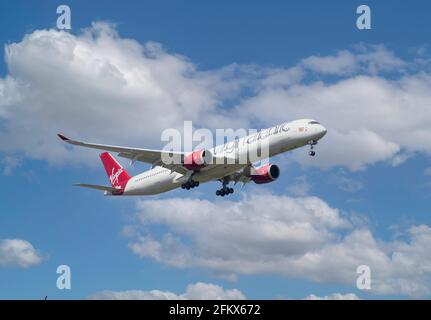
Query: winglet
x=63, y=137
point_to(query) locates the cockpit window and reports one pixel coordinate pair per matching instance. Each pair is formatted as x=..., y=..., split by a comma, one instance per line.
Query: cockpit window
x=313, y=122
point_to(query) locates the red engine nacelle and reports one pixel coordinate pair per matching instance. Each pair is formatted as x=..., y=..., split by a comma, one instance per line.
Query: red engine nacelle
x=197, y=159
x=266, y=174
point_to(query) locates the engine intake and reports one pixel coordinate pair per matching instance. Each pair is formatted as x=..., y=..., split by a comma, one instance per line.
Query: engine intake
x=197, y=159
x=265, y=174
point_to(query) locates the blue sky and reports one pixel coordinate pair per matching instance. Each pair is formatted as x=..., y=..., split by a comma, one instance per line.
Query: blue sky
x=83, y=229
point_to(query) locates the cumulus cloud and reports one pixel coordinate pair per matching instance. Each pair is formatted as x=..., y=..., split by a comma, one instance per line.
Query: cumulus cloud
x=364, y=59
x=18, y=253
x=287, y=225
x=197, y=291
x=294, y=237
x=300, y=187
x=333, y=296
x=10, y=163
x=353, y=149
x=344, y=182
x=369, y=118
x=102, y=87
x=401, y=158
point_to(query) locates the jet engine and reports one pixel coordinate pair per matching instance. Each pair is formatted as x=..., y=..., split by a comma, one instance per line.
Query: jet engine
x=265, y=174
x=197, y=159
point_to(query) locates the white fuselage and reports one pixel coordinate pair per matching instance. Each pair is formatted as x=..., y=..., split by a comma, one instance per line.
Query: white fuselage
x=279, y=139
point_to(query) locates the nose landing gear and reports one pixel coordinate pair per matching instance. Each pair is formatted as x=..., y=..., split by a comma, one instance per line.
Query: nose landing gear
x=312, y=143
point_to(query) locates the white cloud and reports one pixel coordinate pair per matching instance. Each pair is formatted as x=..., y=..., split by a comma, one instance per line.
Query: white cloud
x=18, y=253
x=282, y=78
x=293, y=237
x=343, y=63
x=344, y=182
x=287, y=225
x=369, y=118
x=10, y=163
x=197, y=291
x=133, y=295
x=364, y=59
x=334, y=296
x=300, y=187
x=401, y=158
x=352, y=149
x=101, y=87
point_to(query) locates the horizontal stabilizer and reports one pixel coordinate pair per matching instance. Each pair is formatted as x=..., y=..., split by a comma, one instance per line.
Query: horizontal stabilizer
x=97, y=187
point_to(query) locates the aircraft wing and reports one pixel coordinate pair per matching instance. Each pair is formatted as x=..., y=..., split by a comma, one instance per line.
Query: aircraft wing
x=150, y=156
x=154, y=157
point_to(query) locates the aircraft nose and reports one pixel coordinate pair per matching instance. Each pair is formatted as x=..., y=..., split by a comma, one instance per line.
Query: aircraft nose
x=321, y=131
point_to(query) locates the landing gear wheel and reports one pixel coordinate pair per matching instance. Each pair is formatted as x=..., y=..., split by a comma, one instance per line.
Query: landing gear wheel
x=312, y=153
x=225, y=190
x=190, y=185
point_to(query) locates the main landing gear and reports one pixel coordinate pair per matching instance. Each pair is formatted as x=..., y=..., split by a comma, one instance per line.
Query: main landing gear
x=225, y=190
x=190, y=184
x=312, y=143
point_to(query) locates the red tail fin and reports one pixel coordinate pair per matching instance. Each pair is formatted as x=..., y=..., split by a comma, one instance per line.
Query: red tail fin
x=116, y=173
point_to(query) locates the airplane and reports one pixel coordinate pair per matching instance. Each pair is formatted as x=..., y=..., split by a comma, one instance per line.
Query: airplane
x=193, y=168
